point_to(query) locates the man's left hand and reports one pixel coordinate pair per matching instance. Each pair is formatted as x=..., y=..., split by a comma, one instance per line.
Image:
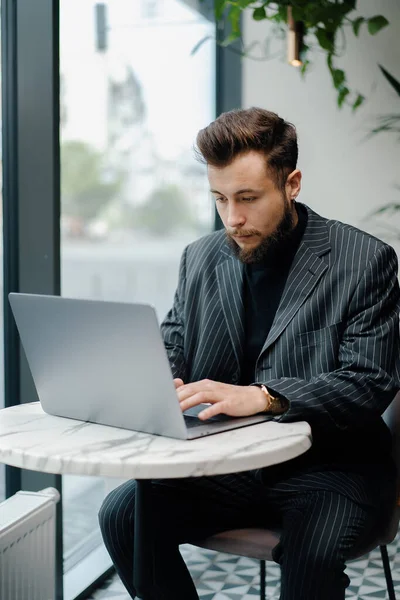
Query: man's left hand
x=233, y=400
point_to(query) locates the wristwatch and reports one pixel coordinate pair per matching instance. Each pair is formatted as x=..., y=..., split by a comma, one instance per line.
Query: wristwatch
x=275, y=405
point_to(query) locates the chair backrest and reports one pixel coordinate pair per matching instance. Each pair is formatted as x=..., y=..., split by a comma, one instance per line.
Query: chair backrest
x=392, y=419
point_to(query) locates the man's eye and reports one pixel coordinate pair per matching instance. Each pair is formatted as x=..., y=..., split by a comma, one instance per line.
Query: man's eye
x=220, y=199
x=248, y=199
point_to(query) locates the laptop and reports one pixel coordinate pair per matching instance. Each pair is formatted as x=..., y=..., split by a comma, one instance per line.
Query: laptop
x=105, y=362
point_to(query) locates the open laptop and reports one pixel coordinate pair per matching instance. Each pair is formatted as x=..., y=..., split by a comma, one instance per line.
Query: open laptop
x=105, y=362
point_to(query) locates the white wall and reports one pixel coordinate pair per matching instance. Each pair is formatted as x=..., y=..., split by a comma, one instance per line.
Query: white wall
x=345, y=177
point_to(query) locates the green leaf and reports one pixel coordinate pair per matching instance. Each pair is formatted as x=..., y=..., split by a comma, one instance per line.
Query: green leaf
x=358, y=101
x=377, y=23
x=324, y=39
x=219, y=8
x=281, y=15
x=259, y=14
x=393, y=82
x=234, y=18
x=304, y=52
x=392, y=206
x=297, y=13
x=357, y=24
x=387, y=124
x=343, y=93
x=304, y=67
x=231, y=38
x=338, y=78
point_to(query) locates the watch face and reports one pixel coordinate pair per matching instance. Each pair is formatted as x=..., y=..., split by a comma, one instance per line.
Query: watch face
x=281, y=404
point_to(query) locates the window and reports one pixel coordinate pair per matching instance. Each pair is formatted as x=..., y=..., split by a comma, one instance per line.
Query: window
x=2, y=467
x=132, y=100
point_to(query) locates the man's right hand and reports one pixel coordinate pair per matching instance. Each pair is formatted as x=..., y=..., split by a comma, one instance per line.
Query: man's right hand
x=178, y=383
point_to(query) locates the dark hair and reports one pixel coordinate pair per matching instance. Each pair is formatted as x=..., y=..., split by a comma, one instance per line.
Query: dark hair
x=239, y=131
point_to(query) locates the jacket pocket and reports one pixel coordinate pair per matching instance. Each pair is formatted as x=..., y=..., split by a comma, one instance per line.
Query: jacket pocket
x=319, y=337
x=317, y=351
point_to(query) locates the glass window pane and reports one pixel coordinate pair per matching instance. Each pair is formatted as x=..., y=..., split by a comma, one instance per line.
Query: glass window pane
x=132, y=100
x=2, y=467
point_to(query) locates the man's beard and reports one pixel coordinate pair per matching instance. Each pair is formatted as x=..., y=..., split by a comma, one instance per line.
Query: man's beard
x=270, y=244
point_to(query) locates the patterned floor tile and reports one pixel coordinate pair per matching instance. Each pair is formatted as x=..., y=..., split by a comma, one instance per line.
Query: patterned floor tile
x=226, y=577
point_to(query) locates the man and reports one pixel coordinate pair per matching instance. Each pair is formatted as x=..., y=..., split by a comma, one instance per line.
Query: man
x=289, y=313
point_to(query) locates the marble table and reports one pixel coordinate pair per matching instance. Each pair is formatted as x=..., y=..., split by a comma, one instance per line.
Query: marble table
x=32, y=439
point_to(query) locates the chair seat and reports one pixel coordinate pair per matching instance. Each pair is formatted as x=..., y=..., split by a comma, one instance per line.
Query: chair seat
x=259, y=543
x=253, y=543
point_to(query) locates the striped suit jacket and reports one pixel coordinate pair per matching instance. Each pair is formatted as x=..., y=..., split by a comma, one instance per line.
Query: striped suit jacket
x=333, y=348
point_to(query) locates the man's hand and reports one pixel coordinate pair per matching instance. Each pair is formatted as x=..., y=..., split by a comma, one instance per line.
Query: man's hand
x=178, y=383
x=233, y=400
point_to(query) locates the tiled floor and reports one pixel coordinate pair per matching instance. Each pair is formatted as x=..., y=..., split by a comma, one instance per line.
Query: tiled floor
x=227, y=577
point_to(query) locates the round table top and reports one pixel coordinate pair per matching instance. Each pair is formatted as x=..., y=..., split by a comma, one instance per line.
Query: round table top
x=32, y=439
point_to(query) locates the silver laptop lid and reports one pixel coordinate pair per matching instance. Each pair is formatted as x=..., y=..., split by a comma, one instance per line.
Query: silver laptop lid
x=103, y=362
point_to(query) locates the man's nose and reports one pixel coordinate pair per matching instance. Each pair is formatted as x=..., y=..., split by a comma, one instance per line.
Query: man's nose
x=236, y=217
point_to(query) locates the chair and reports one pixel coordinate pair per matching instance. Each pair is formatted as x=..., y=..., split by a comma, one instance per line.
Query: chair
x=259, y=543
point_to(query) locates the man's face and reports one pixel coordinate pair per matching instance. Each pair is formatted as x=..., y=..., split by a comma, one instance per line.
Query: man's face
x=256, y=214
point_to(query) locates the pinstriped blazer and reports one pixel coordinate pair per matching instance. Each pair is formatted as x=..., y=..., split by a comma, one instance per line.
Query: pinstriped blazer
x=333, y=348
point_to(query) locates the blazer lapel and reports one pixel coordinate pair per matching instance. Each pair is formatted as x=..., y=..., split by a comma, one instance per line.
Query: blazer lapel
x=306, y=270
x=230, y=284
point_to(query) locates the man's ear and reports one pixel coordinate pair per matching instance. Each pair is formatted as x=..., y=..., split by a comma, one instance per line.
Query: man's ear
x=293, y=184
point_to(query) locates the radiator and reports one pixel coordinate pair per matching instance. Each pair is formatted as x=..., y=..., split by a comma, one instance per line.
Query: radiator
x=27, y=546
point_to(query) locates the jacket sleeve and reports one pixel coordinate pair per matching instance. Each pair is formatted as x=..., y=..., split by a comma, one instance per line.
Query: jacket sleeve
x=368, y=377
x=172, y=328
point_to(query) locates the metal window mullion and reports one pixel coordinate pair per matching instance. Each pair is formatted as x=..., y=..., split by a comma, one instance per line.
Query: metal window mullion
x=228, y=80
x=31, y=193
x=10, y=215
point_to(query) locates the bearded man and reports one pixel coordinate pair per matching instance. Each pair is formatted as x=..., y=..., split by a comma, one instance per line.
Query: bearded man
x=284, y=312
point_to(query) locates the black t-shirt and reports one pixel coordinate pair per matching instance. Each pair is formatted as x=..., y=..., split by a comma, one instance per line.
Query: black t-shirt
x=263, y=287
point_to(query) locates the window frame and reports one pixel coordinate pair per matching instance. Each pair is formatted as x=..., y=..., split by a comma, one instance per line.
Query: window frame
x=31, y=187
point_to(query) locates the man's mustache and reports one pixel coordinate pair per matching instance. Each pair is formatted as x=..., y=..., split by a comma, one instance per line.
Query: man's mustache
x=242, y=232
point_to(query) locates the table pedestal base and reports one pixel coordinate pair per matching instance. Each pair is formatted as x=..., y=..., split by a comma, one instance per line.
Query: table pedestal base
x=143, y=540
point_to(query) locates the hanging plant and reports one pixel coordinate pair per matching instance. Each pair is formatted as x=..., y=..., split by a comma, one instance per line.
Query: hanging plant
x=320, y=24
x=389, y=124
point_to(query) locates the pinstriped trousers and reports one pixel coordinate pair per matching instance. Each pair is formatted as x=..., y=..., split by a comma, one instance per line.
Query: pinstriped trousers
x=320, y=524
